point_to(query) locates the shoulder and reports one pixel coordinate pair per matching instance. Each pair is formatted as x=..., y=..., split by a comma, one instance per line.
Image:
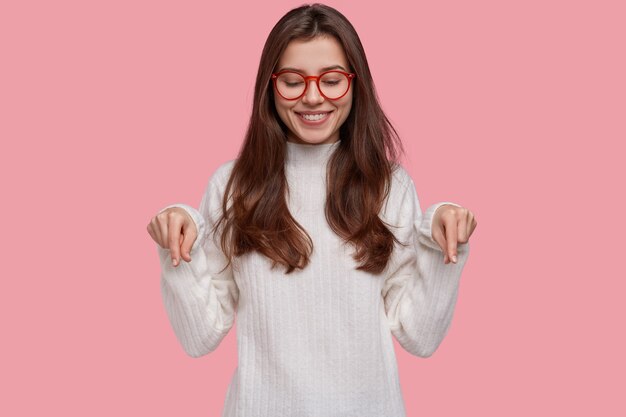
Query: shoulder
x=218, y=179
x=211, y=204
x=401, y=202
x=400, y=180
x=220, y=176
x=223, y=171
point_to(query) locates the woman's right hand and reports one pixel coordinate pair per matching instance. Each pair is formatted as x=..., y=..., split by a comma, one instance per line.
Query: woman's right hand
x=174, y=229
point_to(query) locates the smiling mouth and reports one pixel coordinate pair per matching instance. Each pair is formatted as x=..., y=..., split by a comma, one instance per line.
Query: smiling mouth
x=313, y=117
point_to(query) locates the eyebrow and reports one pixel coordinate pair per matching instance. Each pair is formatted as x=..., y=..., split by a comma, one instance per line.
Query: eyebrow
x=332, y=67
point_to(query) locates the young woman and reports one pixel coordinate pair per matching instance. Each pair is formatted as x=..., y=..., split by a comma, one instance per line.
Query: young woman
x=314, y=238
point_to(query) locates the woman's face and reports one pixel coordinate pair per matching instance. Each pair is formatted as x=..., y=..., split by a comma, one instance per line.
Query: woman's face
x=310, y=58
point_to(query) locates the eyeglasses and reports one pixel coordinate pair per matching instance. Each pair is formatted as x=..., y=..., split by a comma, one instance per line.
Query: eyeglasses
x=332, y=85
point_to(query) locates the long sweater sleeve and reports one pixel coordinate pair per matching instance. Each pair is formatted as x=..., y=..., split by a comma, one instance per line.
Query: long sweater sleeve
x=200, y=299
x=419, y=291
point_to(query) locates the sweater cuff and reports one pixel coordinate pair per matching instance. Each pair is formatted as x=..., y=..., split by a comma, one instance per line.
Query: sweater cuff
x=425, y=234
x=198, y=220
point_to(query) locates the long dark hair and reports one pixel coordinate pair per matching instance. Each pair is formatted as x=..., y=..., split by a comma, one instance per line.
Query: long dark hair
x=359, y=171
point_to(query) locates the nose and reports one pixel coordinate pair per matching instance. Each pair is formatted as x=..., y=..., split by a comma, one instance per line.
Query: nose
x=312, y=95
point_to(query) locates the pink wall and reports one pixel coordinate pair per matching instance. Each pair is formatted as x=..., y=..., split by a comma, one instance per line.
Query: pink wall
x=110, y=110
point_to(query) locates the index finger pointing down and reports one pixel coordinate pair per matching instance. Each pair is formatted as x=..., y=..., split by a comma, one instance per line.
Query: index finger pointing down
x=451, y=228
x=174, y=238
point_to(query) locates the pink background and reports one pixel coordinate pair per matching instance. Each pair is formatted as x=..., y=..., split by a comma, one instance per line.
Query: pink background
x=109, y=110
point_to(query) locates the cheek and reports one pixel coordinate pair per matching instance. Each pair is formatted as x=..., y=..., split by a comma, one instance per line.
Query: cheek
x=345, y=109
x=281, y=109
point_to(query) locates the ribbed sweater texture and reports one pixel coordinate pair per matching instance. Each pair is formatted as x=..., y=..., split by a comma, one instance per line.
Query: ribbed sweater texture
x=316, y=342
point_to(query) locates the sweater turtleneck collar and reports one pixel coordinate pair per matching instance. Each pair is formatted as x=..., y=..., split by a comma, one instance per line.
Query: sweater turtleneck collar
x=309, y=155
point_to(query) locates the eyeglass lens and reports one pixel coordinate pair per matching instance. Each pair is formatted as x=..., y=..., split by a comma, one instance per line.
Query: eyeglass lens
x=333, y=84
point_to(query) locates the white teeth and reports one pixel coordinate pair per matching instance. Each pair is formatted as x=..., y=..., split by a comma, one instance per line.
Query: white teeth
x=313, y=117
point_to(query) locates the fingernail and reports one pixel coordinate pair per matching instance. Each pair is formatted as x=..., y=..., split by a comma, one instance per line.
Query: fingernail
x=454, y=258
x=175, y=262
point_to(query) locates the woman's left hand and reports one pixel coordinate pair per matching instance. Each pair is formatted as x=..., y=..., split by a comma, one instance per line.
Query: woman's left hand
x=452, y=225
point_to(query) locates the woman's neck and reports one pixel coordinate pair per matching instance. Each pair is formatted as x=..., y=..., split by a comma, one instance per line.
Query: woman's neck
x=309, y=155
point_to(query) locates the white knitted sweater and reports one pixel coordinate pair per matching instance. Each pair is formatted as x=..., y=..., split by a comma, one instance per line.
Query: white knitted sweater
x=317, y=342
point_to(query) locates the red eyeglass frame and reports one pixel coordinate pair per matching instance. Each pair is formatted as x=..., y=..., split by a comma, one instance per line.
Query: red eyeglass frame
x=350, y=76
